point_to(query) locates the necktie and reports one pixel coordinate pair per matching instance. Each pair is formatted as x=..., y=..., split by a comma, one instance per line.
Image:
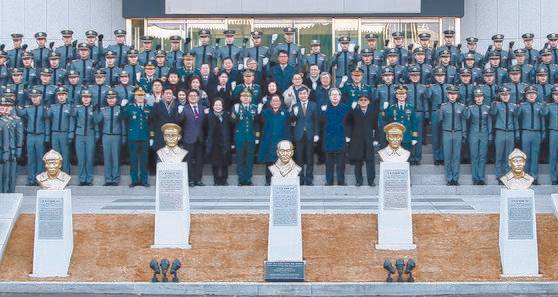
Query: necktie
x=17, y=54
x=196, y=113
x=230, y=50
x=452, y=116
x=120, y=55
x=40, y=58
x=60, y=117
x=84, y=67
x=35, y=119
x=111, y=118
x=304, y=108
x=90, y=52
x=346, y=63
x=507, y=114
x=480, y=117
x=203, y=53
x=86, y=119
x=532, y=116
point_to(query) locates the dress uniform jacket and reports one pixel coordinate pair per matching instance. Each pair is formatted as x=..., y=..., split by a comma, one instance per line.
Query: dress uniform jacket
x=85, y=68
x=40, y=57
x=120, y=51
x=517, y=91
x=229, y=51
x=67, y=54
x=506, y=134
x=174, y=59
x=552, y=123
x=204, y=54
x=407, y=117
x=315, y=58
x=60, y=117
x=74, y=92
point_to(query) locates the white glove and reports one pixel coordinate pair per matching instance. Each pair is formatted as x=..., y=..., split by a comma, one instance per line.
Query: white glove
x=180, y=108
x=413, y=142
x=264, y=99
x=260, y=107
x=354, y=104
x=324, y=107
x=344, y=79
x=233, y=85
x=206, y=111
x=265, y=61
x=374, y=143
x=232, y=147
x=150, y=142
x=236, y=108
x=302, y=50
x=240, y=66
x=295, y=110
x=347, y=139
x=273, y=38
x=314, y=85
x=386, y=105
x=257, y=141
x=316, y=138
x=123, y=102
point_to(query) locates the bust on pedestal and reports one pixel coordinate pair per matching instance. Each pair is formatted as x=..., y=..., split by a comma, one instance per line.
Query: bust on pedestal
x=518, y=224
x=172, y=199
x=54, y=241
x=284, y=250
x=395, y=224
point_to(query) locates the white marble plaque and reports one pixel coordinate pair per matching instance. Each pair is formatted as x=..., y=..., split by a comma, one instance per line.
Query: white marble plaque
x=51, y=218
x=172, y=206
x=520, y=218
x=9, y=213
x=396, y=189
x=285, y=205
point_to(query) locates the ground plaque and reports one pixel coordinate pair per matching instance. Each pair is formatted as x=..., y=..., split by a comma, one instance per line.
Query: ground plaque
x=172, y=206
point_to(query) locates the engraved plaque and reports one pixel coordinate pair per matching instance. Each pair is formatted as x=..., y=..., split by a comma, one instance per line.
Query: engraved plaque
x=51, y=218
x=396, y=188
x=289, y=271
x=285, y=208
x=170, y=189
x=520, y=218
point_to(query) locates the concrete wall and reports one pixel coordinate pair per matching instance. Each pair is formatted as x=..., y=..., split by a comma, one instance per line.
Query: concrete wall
x=484, y=18
x=52, y=16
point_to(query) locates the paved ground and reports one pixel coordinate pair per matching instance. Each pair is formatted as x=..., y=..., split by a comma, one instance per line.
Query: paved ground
x=127, y=295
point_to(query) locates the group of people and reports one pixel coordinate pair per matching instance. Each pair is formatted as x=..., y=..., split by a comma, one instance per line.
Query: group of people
x=87, y=100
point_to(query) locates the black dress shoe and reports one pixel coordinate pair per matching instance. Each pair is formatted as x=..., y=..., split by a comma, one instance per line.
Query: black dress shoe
x=82, y=184
x=358, y=184
x=225, y=184
x=200, y=184
x=309, y=184
x=555, y=182
x=536, y=182
x=482, y=183
x=249, y=184
x=328, y=184
x=500, y=182
x=456, y=183
x=372, y=184
x=132, y=185
x=145, y=185
x=107, y=184
x=114, y=184
x=449, y=183
x=192, y=184
x=266, y=184
x=31, y=184
x=475, y=182
x=341, y=184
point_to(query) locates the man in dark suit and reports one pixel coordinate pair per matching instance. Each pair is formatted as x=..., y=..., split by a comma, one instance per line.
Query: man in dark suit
x=283, y=72
x=163, y=112
x=304, y=115
x=191, y=117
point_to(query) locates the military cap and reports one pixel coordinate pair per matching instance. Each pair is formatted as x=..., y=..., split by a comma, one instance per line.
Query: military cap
x=387, y=71
x=46, y=71
x=542, y=70
x=554, y=90
x=514, y=69
x=149, y=64
x=356, y=72
x=111, y=93
x=35, y=92
x=91, y=33
x=187, y=56
x=169, y=126
x=73, y=73
x=465, y=71
x=469, y=56
x=488, y=71
x=83, y=46
x=139, y=91
x=248, y=72
x=528, y=36
x=7, y=101
x=86, y=93
x=16, y=71
x=439, y=70
x=414, y=69
x=315, y=42
x=3, y=54
x=494, y=55
x=204, y=33
x=52, y=155
x=449, y=33
x=419, y=50
x=16, y=36
x=110, y=54
x=498, y=37
x=392, y=52
x=478, y=92
x=397, y=34
x=61, y=90
x=344, y=39
x=67, y=33
x=8, y=92
x=530, y=89
x=53, y=55
x=100, y=72
x=40, y=35
x=503, y=89
x=445, y=53
x=289, y=30
x=246, y=91
x=401, y=89
x=472, y=40
x=133, y=52
x=160, y=53
x=146, y=38
x=175, y=38
x=119, y=32
x=545, y=51
x=394, y=128
x=229, y=32
x=424, y=36
x=519, y=52
x=366, y=52
x=27, y=55
x=124, y=73
x=552, y=36
x=452, y=89
x=257, y=34
x=371, y=36
x=517, y=153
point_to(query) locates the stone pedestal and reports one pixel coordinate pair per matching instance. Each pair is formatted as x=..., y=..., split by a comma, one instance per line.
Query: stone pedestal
x=172, y=206
x=395, y=224
x=518, y=234
x=284, y=251
x=9, y=212
x=554, y=198
x=54, y=239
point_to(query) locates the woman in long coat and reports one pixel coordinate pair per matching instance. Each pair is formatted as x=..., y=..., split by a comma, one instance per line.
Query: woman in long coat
x=218, y=142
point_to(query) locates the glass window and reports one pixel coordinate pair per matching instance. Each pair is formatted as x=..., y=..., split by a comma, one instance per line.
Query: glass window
x=216, y=26
x=410, y=28
x=272, y=26
x=242, y=27
x=311, y=29
x=346, y=27
x=137, y=31
x=161, y=30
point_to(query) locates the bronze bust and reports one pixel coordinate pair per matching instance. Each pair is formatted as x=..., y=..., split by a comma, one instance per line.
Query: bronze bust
x=285, y=166
x=394, y=152
x=171, y=153
x=53, y=178
x=517, y=179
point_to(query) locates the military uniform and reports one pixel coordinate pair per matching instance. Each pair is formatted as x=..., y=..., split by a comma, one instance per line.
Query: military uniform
x=402, y=53
x=98, y=91
x=532, y=55
x=86, y=133
x=120, y=49
x=554, y=50
x=85, y=67
x=504, y=55
x=315, y=58
x=161, y=70
x=134, y=70
x=18, y=90
x=452, y=118
x=438, y=95
x=5, y=128
x=479, y=126
x=15, y=126
x=370, y=72
x=385, y=94
x=147, y=54
x=451, y=49
x=450, y=70
x=403, y=113
x=47, y=90
x=344, y=61
x=125, y=92
x=60, y=115
x=67, y=52
x=552, y=118
x=58, y=72
x=465, y=89
x=470, y=54
x=14, y=55
x=40, y=54
x=351, y=91
x=490, y=90
x=245, y=135
x=95, y=53
x=174, y=57
x=204, y=54
x=378, y=53
x=551, y=68
x=418, y=96
x=476, y=73
x=527, y=69
x=74, y=90
x=112, y=73
x=506, y=125
x=293, y=50
x=517, y=89
x=425, y=69
x=4, y=70
x=111, y=119
x=29, y=73
x=229, y=50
